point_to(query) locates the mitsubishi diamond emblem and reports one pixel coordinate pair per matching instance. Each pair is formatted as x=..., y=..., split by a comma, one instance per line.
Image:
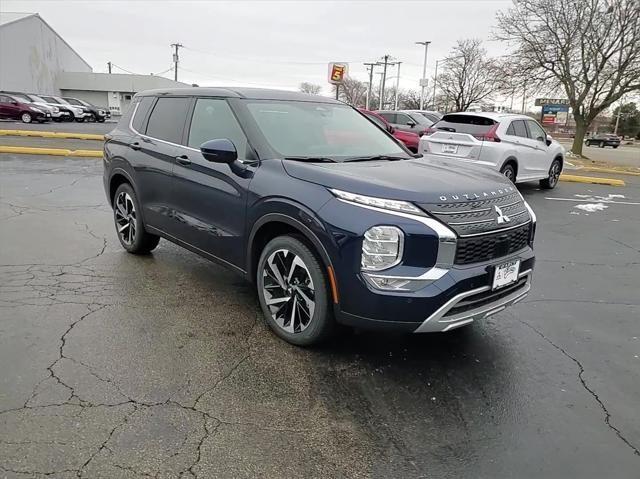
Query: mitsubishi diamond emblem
x=502, y=218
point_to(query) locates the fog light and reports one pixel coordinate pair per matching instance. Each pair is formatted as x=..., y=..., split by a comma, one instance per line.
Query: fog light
x=381, y=248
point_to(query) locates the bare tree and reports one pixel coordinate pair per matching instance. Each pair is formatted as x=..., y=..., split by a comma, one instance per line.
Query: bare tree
x=468, y=76
x=312, y=88
x=352, y=91
x=410, y=100
x=589, y=49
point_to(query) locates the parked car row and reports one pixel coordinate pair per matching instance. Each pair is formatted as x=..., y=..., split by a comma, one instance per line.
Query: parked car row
x=29, y=107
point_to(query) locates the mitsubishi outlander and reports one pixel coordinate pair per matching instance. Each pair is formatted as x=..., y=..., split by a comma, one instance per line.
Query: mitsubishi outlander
x=330, y=216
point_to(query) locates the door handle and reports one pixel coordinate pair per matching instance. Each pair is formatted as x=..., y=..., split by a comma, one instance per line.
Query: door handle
x=135, y=145
x=183, y=160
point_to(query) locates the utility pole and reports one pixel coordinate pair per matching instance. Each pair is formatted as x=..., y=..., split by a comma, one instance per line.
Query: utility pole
x=384, y=79
x=370, y=70
x=109, y=67
x=380, y=102
x=424, y=72
x=615, y=130
x=524, y=95
x=176, y=59
x=397, y=86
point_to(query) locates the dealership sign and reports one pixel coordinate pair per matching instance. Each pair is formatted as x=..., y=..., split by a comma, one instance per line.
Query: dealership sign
x=551, y=101
x=555, y=114
x=337, y=72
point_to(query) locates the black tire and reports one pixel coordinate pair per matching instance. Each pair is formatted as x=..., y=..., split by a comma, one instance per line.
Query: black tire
x=80, y=120
x=281, y=252
x=133, y=238
x=601, y=145
x=615, y=146
x=100, y=120
x=554, y=174
x=588, y=143
x=509, y=171
x=26, y=117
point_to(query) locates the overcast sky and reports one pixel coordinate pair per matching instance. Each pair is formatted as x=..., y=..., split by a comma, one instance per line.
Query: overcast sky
x=264, y=43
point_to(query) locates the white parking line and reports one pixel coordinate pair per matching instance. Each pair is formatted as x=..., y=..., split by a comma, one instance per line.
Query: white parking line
x=582, y=200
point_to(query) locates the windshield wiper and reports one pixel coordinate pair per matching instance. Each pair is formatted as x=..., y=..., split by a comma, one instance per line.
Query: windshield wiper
x=377, y=158
x=311, y=159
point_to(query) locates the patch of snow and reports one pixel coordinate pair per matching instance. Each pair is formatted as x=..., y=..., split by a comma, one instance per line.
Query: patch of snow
x=591, y=207
x=574, y=213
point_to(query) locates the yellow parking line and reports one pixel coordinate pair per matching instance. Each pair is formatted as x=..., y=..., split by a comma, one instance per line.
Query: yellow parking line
x=592, y=180
x=25, y=150
x=52, y=134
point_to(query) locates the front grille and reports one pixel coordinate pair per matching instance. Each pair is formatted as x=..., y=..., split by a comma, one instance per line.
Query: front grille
x=490, y=246
x=477, y=217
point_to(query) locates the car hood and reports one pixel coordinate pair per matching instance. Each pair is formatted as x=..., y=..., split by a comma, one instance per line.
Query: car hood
x=416, y=180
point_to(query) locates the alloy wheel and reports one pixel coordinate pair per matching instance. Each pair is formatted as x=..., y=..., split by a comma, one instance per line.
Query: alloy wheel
x=288, y=291
x=554, y=174
x=126, y=218
x=26, y=118
x=508, y=172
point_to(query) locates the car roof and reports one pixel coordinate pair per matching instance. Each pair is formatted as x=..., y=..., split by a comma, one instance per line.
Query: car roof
x=237, y=92
x=491, y=114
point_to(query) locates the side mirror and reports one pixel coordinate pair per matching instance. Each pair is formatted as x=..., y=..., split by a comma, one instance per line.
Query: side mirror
x=549, y=140
x=391, y=129
x=411, y=124
x=219, y=151
x=14, y=102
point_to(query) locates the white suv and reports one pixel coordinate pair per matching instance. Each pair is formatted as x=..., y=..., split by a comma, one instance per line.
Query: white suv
x=515, y=145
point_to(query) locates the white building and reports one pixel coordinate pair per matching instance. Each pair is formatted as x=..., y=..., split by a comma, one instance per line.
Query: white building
x=35, y=59
x=32, y=54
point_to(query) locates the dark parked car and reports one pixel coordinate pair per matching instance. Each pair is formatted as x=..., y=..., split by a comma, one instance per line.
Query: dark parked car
x=15, y=108
x=405, y=121
x=603, y=140
x=100, y=114
x=329, y=217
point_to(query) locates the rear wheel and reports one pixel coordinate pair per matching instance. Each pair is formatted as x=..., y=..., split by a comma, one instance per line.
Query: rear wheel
x=554, y=175
x=129, y=224
x=601, y=145
x=26, y=117
x=509, y=171
x=293, y=293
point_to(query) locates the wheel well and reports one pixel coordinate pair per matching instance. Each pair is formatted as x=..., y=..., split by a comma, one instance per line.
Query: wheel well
x=271, y=230
x=116, y=181
x=513, y=162
x=559, y=157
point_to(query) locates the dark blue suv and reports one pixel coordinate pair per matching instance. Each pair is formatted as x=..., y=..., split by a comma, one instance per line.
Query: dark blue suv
x=329, y=215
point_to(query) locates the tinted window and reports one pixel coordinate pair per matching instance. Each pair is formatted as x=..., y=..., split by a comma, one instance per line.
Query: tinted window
x=390, y=117
x=167, y=119
x=141, y=113
x=213, y=119
x=73, y=101
x=517, y=128
x=402, y=119
x=21, y=98
x=535, y=131
x=49, y=99
x=419, y=119
x=472, y=124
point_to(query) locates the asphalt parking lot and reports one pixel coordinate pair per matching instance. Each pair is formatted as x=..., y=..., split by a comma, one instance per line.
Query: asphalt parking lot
x=118, y=366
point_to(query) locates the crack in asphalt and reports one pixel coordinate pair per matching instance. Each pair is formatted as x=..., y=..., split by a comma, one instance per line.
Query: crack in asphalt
x=607, y=418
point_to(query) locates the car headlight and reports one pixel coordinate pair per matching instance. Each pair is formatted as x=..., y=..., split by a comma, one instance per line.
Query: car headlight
x=385, y=204
x=55, y=109
x=37, y=110
x=381, y=248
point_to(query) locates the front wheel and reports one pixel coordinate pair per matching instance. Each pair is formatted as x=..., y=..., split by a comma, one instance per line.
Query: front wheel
x=554, y=175
x=510, y=172
x=293, y=292
x=26, y=117
x=615, y=146
x=601, y=145
x=129, y=224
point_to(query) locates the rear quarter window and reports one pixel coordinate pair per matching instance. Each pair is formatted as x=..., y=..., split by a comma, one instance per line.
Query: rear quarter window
x=167, y=119
x=471, y=124
x=141, y=112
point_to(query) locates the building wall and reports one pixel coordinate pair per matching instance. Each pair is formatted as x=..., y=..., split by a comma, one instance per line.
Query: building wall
x=32, y=55
x=97, y=98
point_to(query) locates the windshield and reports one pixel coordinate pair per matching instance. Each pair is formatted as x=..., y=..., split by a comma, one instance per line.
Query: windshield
x=61, y=101
x=73, y=101
x=309, y=129
x=420, y=119
x=50, y=99
x=37, y=98
x=19, y=97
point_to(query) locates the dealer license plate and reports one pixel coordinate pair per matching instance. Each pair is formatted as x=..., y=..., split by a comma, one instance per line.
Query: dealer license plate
x=505, y=274
x=450, y=149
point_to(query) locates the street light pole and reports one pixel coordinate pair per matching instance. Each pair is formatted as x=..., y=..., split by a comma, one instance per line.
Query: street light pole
x=398, y=87
x=435, y=81
x=424, y=72
x=370, y=69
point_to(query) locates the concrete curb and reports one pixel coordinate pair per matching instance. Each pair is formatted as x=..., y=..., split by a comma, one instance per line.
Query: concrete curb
x=592, y=180
x=24, y=150
x=612, y=171
x=53, y=134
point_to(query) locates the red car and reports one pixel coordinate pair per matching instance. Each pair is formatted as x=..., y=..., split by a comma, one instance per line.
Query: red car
x=15, y=109
x=411, y=140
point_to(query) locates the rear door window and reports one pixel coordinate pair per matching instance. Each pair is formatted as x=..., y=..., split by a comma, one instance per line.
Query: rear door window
x=519, y=129
x=471, y=124
x=403, y=119
x=390, y=117
x=167, y=119
x=212, y=120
